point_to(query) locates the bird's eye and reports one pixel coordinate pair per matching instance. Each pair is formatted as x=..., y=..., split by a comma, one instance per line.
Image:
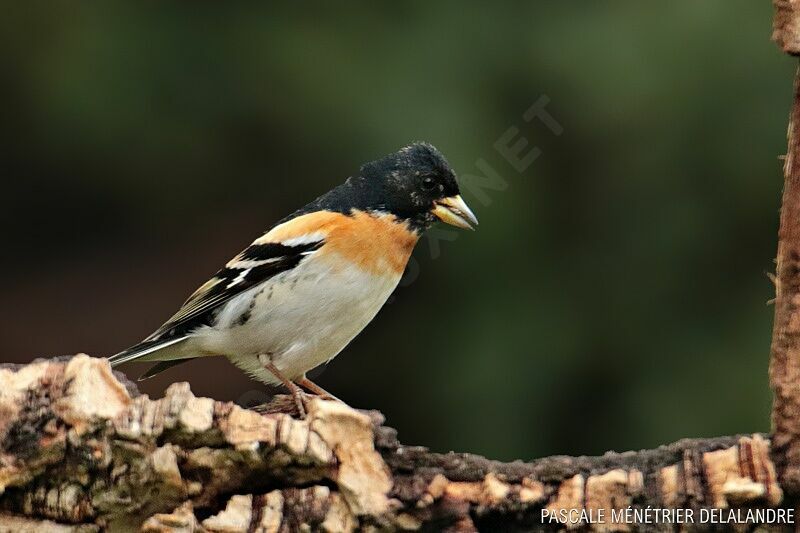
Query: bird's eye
x=428, y=184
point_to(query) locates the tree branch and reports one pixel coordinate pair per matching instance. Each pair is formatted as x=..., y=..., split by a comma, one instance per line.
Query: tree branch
x=82, y=450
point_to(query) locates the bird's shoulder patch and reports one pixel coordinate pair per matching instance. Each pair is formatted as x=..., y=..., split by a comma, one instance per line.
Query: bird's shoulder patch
x=303, y=228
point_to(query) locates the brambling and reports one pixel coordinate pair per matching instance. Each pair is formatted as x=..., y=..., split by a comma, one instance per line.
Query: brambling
x=296, y=296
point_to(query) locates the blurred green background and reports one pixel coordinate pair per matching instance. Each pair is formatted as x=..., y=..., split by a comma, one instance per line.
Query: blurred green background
x=615, y=296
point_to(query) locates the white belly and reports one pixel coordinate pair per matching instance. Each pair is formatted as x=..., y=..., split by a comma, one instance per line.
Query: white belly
x=299, y=319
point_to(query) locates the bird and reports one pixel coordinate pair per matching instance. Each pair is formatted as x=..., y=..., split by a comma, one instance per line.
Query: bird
x=295, y=298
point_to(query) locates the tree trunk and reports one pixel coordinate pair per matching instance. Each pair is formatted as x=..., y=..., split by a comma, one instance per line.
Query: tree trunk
x=784, y=370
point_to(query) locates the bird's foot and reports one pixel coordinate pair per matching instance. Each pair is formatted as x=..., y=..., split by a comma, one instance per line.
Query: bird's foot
x=317, y=390
x=300, y=398
x=284, y=404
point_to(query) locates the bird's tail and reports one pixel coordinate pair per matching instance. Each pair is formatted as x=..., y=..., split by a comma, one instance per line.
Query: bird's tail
x=146, y=351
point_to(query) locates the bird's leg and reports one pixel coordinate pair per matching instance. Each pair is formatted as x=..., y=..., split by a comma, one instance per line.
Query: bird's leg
x=297, y=394
x=316, y=389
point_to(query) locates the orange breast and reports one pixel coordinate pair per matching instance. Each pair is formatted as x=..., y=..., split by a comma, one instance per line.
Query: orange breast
x=376, y=243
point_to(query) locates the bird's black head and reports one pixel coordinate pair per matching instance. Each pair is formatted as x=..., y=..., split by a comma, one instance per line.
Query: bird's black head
x=415, y=184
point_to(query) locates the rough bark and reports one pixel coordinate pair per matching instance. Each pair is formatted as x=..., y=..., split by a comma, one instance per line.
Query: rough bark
x=785, y=361
x=786, y=25
x=785, y=350
x=83, y=451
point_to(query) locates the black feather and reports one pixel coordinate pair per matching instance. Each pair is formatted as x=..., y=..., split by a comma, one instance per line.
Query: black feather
x=205, y=308
x=160, y=367
x=393, y=184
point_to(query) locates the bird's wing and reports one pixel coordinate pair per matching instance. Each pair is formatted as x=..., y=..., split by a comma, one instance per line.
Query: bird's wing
x=271, y=254
x=256, y=264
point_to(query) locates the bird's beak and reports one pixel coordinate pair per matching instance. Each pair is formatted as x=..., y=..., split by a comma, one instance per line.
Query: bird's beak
x=454, y=211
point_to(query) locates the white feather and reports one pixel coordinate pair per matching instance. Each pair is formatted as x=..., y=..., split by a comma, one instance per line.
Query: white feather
x=300, y=318
x=308, y=238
